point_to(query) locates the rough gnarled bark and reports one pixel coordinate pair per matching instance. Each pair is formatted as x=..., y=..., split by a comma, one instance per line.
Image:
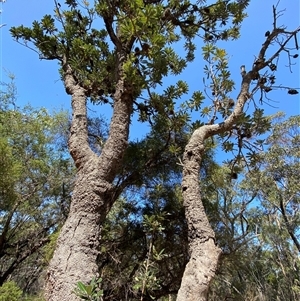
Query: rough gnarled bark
x=75, y=257
x=204, y=253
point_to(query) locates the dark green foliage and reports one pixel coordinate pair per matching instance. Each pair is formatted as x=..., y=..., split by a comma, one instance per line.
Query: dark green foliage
x=144, y=243
x=147, y=30
x=90, y=291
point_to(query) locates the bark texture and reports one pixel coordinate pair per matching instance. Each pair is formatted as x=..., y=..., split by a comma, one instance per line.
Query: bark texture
x=204, y=253
x=75, y=257
x=77, y=248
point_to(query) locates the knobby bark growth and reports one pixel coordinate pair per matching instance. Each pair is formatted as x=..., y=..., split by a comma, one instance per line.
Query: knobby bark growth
x=75, y=257
x=204, y=253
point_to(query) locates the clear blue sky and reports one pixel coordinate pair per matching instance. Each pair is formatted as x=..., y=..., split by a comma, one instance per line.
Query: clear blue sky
x=39, y=84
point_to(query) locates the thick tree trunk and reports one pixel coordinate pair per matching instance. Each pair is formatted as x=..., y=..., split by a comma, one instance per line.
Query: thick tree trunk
x=204, y=253
x=199, y=272
x=75, y=257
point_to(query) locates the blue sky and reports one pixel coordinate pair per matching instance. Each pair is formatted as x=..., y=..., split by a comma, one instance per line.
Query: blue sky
x=39, y=84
